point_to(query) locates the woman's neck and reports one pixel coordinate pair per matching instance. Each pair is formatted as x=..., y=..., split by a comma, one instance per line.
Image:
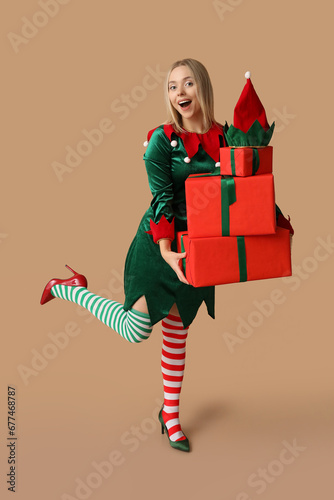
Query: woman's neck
x=195, y=126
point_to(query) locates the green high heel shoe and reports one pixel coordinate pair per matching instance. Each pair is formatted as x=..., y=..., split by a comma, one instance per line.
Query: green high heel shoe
x=182, y=445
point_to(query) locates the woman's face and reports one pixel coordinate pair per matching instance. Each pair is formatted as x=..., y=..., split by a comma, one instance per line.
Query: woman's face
x=182, y=92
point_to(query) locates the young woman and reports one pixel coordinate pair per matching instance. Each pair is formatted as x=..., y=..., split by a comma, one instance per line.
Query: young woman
x=155, y=287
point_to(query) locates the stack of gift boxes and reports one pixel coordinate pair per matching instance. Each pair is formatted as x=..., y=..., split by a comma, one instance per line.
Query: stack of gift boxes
x=232, y=233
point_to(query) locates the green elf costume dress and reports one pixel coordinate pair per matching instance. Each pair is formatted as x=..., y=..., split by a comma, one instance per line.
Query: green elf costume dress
x=169, y=159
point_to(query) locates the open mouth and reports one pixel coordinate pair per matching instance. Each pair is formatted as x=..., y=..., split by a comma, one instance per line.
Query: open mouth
x=185, y=103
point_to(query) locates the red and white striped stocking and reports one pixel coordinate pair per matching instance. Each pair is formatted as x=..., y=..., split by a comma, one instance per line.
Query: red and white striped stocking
x=172, y=367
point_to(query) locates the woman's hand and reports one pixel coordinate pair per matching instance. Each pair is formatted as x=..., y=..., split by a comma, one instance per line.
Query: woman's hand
x=172, y=259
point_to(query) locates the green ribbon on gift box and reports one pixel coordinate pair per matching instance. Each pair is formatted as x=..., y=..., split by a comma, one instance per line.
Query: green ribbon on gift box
x=228, y=197
x=242, y=258
x=182, y=250
x=255, y=161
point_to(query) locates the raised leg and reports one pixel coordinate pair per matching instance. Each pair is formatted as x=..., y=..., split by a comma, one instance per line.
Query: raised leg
x=133, y=325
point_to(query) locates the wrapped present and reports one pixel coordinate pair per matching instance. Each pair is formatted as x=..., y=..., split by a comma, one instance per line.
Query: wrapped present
x=246, y=161
x=232, y=259
x=230, y=206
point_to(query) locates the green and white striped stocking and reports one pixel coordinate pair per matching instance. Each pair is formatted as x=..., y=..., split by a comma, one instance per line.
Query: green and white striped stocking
x=132, y=325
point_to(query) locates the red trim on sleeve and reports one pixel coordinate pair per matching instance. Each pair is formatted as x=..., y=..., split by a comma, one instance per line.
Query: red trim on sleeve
x=163, y=229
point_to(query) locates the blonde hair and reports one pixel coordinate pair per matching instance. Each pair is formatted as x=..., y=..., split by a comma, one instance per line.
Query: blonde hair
x=204, y=94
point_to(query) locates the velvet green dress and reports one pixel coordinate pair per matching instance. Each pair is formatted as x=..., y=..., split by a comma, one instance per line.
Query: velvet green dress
x=146, y=273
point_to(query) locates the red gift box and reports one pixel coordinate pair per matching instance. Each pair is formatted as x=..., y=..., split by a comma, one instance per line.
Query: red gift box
x=246, y=161
x=232, y=259
x=233, y=206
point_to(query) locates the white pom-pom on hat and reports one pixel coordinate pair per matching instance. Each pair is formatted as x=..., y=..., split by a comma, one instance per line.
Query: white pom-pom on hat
x=248, y=75
x=187, y=159
x=217, y=164
x=145, y=144
x=174, y=144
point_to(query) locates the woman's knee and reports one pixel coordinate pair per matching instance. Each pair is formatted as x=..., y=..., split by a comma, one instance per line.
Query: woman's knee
x=143, y=326
x=141, y=305
x=138, y=326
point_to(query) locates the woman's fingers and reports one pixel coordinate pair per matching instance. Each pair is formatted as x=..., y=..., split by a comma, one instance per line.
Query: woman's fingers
x=178, y=270
x=182, y=278
x=173, y=258
x=181, y=255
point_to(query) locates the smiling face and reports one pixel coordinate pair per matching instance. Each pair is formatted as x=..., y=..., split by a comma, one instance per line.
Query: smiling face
x=182, y=93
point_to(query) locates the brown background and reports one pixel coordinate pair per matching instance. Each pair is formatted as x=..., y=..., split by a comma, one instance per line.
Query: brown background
x=238, y=408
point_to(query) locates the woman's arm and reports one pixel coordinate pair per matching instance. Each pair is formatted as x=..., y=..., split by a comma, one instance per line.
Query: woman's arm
x=157, y=161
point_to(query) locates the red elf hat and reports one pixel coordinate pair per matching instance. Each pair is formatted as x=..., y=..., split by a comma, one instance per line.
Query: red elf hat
x=249, y=108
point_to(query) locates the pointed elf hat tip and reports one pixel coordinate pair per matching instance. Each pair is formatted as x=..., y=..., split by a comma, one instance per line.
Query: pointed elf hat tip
x=249, y=108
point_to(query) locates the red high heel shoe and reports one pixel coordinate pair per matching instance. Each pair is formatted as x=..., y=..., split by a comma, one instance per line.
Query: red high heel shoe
x=76, y=280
